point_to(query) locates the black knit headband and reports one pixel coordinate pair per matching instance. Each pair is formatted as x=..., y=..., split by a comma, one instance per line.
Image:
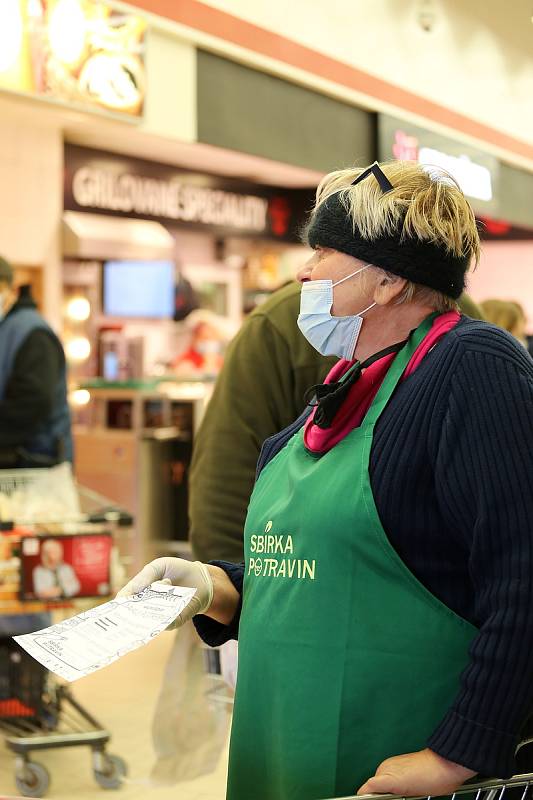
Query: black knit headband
x=418, y=261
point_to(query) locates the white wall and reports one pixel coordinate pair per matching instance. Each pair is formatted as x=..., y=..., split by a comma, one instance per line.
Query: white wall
x=194, y=247
x=31, y=198
x=170, y=109
x=505, y=272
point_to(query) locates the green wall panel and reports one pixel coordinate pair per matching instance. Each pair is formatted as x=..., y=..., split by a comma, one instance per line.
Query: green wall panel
x=252, y=112
x=516, y=196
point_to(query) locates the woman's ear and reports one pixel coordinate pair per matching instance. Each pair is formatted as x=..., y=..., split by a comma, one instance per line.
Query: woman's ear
x=388, y=289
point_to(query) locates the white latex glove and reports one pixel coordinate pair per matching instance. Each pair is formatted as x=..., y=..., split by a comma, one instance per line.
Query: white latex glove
x=178, y=572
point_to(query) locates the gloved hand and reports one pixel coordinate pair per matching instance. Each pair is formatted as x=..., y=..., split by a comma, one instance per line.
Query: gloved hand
x=178, y=572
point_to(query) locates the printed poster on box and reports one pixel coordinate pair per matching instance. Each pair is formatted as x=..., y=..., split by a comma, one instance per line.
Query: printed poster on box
x=65, y=567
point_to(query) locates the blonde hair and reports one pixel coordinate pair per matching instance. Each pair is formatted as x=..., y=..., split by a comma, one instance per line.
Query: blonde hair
x=424, y=204
x=506, y=314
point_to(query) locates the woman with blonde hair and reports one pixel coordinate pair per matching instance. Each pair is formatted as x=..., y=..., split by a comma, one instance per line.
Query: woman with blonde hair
x=506, y=314
x=384, y=627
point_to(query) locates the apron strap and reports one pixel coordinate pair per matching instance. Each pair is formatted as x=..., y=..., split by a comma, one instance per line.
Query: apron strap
x=397, y=368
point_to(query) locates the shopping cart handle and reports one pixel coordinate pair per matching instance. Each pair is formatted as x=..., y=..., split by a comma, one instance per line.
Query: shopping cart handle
x=112, y=514
x=491, y=785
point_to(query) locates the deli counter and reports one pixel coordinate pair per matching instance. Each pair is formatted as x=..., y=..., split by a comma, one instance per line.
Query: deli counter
x=133, y=443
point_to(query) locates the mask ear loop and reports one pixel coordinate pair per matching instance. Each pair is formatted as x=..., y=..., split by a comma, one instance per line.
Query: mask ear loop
x=374, y=169
x=351, y=275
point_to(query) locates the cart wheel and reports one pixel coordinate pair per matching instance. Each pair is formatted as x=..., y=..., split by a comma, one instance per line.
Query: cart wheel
x=32, y=780
x=111, y=777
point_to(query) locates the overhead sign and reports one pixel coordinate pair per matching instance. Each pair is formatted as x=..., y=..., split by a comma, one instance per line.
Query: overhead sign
x=173, y=198
x=477, y=173
x=106, y=183
x=474, y=179
x=80, y=52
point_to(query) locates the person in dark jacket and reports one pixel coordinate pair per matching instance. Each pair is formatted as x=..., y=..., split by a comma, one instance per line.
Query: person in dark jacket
x=267, y=369
x=34, y=414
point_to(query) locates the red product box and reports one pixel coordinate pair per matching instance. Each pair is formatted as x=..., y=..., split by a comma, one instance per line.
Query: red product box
x=65, y=567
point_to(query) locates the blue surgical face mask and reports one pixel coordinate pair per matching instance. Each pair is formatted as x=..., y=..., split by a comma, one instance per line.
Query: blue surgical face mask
x=330, y=336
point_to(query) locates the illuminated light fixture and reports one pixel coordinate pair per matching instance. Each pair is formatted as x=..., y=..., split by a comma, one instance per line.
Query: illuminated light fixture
x=11, y=31
x=35, y=9
x=115, y=78
x=474, y=179
x=78, y=349
x=67, y=31
x=79, y=397
x=78, y=309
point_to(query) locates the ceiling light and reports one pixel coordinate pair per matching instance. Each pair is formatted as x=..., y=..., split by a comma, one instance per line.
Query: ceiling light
x=78, y=349
x=78, y=309
x=79, y=397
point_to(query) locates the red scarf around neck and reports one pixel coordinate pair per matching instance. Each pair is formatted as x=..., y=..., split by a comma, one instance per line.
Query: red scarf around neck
x=360, y=397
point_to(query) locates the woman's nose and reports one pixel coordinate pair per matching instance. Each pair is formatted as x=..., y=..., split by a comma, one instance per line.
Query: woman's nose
x=304, y=273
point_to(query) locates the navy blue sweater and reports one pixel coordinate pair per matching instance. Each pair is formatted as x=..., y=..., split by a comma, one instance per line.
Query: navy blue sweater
x=451, y=470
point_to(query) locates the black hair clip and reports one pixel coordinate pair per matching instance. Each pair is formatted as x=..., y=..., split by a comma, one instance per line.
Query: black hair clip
x=384, y=184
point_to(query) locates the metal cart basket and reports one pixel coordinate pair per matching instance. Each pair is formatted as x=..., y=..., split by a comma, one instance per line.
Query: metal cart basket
x=37, y=712
x=482, y=790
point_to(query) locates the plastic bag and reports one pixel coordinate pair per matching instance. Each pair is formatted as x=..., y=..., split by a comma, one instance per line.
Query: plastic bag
x=51, y=496
x=189, y=730
x=229, y=662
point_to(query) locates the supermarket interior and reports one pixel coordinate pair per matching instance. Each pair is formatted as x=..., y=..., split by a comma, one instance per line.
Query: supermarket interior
x=159, y=165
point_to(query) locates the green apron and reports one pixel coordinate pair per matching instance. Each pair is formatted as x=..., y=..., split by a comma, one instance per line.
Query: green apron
x=345, y=658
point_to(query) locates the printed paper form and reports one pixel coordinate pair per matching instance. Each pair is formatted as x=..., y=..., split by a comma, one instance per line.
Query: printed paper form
x=93, y=639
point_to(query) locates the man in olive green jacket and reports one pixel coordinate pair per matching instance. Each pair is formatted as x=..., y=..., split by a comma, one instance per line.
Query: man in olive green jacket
x=268, y=367
x=260, y=390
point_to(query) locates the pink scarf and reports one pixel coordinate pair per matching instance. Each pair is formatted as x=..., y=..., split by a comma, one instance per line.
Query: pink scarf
x=360, y=397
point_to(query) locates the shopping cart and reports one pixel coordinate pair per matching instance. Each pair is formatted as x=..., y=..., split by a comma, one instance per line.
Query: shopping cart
x=481, y=790
x=218, y=691
x=36, y=711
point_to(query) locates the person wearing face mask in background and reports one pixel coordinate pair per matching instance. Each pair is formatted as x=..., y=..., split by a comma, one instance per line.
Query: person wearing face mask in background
x=209, y=334
x=34, y=415
x=384, y=642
